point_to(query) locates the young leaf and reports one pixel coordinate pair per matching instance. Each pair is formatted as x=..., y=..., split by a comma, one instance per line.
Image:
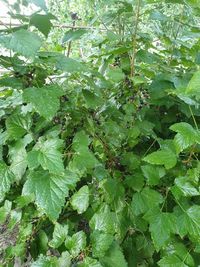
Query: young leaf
x=80, y=200
x=45, y=100
x=22, y=41
x=50, y=191
x=162, y=157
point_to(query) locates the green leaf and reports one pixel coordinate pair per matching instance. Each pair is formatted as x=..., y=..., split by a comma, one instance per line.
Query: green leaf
x=81, y=141
x=39, y=3
x=80, y=200
x=115, y=74
x=186, y=136
x=18, y=157
x=162, y=157
x=64, y=260
x=76, y=243
x=47, y=155
x=44, y=261
x=91, y=99
x=189, y=222
x=186, y=187
x=153, y=174
x=156, y=15
x=59, y=234
x=23, y=42
x=84, y=160
x=43, y=241
x=5, y=210
x=100, y=243
x=23, y=201
x=103, y=220
x=6, y=179
x=181, y=251
x=42, y=22
x=193, y=87
x=50, y=191
x=70, y=65
x=17, y=125
x=145, y=200
x=171, y=261
x=45, y=100
x=73, y=35
x=161, y=227
x=32, y=159
x=114, y=257
x=88, y=262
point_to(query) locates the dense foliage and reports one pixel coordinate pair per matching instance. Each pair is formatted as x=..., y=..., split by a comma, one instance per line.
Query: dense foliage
x=99, y=137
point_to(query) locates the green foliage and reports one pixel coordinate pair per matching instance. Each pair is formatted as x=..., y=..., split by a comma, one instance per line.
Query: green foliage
x=99, y=134
x=49, y=190
x=45, y=100
x=23, y=42
x=80, y=200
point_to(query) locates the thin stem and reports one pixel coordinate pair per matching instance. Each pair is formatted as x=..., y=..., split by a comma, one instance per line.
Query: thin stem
x=194, y=120
x=70, y=43
x=137, y=15
x=149, y=147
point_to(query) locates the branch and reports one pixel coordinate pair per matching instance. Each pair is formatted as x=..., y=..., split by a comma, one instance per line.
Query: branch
x=63, y=26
